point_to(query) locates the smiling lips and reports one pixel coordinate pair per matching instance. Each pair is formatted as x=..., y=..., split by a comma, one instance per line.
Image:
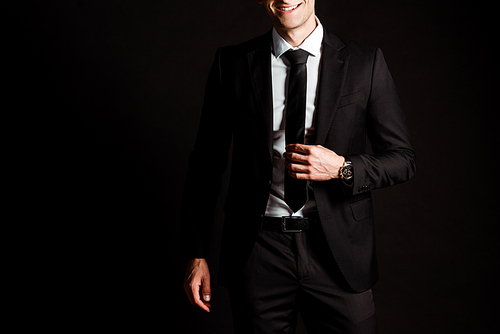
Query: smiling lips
x=288, y=9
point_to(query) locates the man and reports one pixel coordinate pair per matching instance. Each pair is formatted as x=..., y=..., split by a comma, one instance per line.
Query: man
x=297, y=104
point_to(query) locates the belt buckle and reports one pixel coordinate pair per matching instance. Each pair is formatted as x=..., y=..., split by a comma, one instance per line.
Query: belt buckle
x=284, y=224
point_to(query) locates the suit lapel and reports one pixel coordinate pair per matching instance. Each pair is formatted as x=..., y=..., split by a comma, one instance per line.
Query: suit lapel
x=259, y=62
x=333, y=72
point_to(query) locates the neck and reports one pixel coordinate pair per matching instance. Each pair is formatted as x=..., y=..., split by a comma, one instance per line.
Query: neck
x=296, y=36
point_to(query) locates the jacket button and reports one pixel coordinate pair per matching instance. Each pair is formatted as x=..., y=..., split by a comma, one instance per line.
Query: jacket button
x=364, y=188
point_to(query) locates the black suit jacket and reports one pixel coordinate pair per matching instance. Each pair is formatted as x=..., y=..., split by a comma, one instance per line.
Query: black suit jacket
x=356, y=97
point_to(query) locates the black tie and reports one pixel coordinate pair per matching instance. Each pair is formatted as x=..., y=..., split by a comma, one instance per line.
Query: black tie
x=296, y=190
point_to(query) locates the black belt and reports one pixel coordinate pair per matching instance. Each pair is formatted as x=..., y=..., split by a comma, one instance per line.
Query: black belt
x=289, y=224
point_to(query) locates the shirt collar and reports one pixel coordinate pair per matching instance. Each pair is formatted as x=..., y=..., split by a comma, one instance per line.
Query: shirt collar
x=311, y=44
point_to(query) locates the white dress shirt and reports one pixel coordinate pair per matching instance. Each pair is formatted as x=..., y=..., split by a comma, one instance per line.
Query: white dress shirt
x=280, y=67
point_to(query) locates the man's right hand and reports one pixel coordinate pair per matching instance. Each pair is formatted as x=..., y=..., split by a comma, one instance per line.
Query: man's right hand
x=198, y=280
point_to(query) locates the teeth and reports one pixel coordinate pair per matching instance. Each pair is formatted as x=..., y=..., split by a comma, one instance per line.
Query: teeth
x=288, y=8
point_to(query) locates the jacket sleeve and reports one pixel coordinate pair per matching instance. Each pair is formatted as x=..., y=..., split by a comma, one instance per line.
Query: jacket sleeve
x=394, y=160
x=207, y=163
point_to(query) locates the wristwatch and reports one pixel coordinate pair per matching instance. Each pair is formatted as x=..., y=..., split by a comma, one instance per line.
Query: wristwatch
x=347, y=172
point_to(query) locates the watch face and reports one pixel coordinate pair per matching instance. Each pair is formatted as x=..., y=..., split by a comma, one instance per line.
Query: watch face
x=347, y=172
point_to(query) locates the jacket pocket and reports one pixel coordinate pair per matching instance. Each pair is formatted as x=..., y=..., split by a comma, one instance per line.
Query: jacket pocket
x=362, y=210
x=349, y=99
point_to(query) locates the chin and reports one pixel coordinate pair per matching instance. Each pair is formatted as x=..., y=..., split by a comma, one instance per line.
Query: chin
x=290, y=23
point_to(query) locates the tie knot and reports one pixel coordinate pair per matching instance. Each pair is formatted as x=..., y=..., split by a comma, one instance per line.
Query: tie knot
x=296, y=57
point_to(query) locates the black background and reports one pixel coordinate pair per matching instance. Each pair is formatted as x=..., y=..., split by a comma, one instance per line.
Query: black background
x=118, y=87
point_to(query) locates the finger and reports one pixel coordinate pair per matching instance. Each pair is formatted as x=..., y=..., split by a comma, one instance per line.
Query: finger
x=205, y=289
x=299, y=168
x=189, y=292
x=197, y=300
x=296, y=157
x=299, y=176
x=299, y=148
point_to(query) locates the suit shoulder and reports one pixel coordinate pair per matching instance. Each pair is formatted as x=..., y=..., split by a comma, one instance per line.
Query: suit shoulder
x=249, y=45
x=355, y=47
x=350, y=46
x=262, y=40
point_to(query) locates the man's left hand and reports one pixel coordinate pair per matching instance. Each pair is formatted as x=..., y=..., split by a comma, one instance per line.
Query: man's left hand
x=312, y=162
